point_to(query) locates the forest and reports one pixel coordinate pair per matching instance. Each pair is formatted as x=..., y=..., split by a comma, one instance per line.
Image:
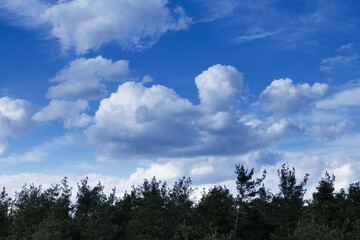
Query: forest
x=155, y=211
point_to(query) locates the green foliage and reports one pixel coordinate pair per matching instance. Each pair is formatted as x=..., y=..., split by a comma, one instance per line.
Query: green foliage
x=148, y=219
x=288, y=204
x=94, y=215
x=154, y=211
x=5, y=214
x=248, y=188
x=309, y=228
x=217, y=209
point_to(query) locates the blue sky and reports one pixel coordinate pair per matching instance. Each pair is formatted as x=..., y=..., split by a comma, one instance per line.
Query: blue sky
x=122, y=90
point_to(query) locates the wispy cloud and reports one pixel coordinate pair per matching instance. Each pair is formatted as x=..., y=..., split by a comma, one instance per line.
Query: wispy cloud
x=331, y=64
x=251, y=37
x=40, y=152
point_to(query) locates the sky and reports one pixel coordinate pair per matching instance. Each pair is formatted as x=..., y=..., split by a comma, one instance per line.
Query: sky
x=123, y=90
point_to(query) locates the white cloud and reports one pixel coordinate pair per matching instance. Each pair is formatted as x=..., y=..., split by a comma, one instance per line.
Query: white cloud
x=330, y=64
x=346, y=98
x=218, y=86
x=144, y=123
x=202, y=170
x=23, y=12
x=70, y=111
x=82, y=78
x=88, y=24
x=216, y=9
x=283, y=97
x=331, y=132
x=136, y=117
x=39, y=152
x=164, y=172
x=15, y=119
x=252, y=36
x=346, y=47
x=147, y=79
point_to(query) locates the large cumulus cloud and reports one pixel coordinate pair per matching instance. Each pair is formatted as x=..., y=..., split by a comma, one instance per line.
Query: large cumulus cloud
x=147, y=122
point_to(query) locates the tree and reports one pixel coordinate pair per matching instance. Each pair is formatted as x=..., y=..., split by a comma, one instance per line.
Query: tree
x=30, y=208
x=217, y=210
x=148, y=219
x=178, y=206
x=324, y=206
x=247, y=189
x=5, y=217
x=94, y=212
x=288, y=203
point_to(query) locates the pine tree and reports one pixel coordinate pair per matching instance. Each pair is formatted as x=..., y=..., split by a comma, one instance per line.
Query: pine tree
x=288, y=204
x=247, y=188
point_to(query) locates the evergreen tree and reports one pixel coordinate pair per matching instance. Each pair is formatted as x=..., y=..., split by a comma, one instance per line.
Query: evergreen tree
x=30, y=208
x=147, y=221
x=5, y=214
x=247, y=188
x=94, y=213
x=288, y=204
x=216, y=211
x=178, y=206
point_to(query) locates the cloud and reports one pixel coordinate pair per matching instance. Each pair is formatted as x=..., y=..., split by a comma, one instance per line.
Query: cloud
x=254, y=19
x=218, y=86
x=139, y=122
x=40, y=152
x=346, y=47
x=136, y=117
x=82, y=78
x=23, y=13
x=15, y=119
x=329, y=65
x=345, y=98
x=202, y=170
x=254, y=36
x=70, y=111
x=333, y=131
x=146, y=79
x=216, y=9
x=283, y=97
x=88, y=24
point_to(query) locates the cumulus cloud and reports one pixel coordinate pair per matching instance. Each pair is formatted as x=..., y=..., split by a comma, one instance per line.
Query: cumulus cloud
x=218, y=86
x=87, y=24
x=282, y=97
x=147, y=122
x=136, y=117
x=70, y=111
x=82, y=78
x=15, y=119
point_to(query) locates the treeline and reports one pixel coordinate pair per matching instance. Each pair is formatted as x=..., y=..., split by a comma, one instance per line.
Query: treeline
x=155, y=211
